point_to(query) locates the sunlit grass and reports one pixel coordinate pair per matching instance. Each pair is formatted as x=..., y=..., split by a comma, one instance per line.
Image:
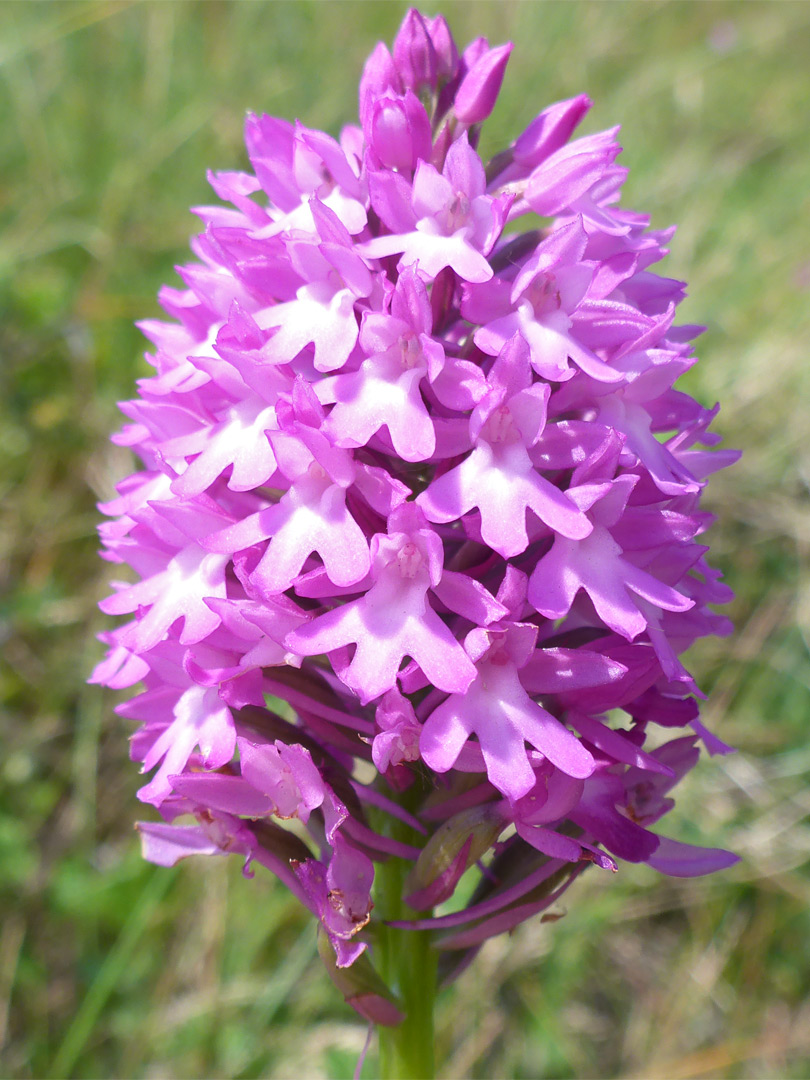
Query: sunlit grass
x=112, y=113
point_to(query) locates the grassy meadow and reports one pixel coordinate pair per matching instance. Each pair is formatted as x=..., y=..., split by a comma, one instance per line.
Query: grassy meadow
x=111, y=113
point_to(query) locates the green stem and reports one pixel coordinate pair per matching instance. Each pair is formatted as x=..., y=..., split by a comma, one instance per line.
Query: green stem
x=407, y=962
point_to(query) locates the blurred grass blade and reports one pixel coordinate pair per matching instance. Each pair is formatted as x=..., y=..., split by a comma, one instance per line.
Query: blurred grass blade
x=109, y=973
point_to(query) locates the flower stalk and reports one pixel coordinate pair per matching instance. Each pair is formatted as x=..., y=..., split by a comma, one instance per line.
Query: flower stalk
x=408, y=963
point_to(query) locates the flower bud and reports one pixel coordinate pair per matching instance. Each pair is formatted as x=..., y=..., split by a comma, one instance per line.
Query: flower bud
x=477, y=48
x=481, y=85
x=414, y=54
x=379, y=77
x=550, y=130
x=400, y=132
x=445, y=46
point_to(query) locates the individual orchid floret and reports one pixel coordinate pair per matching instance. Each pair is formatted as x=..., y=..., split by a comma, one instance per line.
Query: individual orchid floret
x=341, y=897
x=578, y=179
x=551, y=800
x=615, y=808
x=595, y=564
x=287, y=776
x=498, y=477
x=179, y=574
x=385, y=391
x=548, y=289
x=398, y=738
x=447, y=59
x=234, y=438
x=394, y=618
x=180, y=716
x=501, y=714
x=311, y=516
x=295, y=165
x=445, y=219
x=322, y=314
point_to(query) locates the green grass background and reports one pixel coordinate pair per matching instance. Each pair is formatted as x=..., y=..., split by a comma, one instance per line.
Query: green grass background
x=111, y=112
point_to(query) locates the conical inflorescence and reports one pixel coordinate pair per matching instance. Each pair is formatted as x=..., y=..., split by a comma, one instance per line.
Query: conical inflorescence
x=416, y=532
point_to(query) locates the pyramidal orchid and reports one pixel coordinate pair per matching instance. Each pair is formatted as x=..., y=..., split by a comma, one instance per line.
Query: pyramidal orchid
x=415, y=537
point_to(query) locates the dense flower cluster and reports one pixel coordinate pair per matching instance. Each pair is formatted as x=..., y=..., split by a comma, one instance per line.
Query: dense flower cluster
x=418, y=514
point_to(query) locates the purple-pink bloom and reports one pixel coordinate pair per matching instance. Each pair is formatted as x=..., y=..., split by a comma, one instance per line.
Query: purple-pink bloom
x=445, y=220
x=394, y=618
x=398, y=738
x=497, y=709
x=385, y=390
x=418, y=512
x=499, y=477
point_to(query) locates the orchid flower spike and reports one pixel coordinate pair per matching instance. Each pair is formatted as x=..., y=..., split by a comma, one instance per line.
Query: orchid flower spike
x=427, y=480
